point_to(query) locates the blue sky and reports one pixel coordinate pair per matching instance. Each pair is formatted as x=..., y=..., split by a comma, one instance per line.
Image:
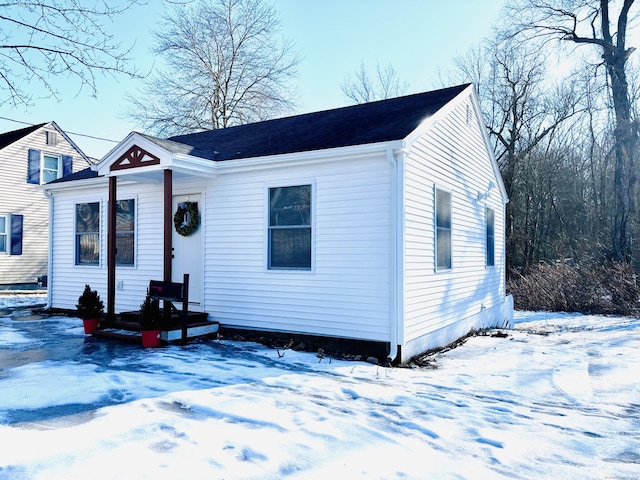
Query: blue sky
x=418, y=37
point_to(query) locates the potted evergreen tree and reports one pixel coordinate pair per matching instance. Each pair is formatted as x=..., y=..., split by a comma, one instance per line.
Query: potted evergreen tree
x=90, y=308
x=150, y=321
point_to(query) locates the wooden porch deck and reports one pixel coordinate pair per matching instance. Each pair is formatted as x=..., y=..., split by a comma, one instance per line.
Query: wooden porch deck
x=126, y=327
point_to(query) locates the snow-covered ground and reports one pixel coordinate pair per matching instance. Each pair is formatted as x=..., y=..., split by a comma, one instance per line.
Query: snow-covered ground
x=559, y=397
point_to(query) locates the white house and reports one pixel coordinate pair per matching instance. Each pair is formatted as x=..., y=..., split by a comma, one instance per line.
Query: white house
x=30, y=157
x=381, y=222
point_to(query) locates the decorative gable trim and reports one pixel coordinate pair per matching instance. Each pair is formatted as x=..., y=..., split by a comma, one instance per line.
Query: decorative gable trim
x=133, y=158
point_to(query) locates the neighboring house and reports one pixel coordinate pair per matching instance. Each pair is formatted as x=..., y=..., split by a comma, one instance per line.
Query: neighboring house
x=30, y=157
x=381, y=222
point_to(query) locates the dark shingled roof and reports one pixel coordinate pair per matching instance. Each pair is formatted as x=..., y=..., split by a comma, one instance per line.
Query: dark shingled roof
x=15, y=135
x=81, y=175
x=381, y=121
x=374, y=122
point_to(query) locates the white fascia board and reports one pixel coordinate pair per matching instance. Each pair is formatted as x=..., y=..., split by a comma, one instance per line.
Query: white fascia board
x=308, y=157
x=193, y=165
x=115, y=153
x=467, y=93
x=75, y=184
x=101, y=182
x=71, y=142
x=485, y=135
x=134, y=138
x=446, y=109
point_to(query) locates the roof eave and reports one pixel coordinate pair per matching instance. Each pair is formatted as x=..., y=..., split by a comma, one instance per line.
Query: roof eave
x=79, y=183
x=309, y=157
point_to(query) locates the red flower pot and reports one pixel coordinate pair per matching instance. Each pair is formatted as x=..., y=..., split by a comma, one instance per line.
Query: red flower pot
x=150, y=338
x=90, y=324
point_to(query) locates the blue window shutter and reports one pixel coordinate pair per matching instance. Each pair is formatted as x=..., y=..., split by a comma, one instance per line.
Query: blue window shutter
x=16, y=234
x=67, y=165
x=33, y=173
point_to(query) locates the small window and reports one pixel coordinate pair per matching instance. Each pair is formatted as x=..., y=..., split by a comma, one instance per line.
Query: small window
x=88, y=233
x=125, y=232
x=491, y=241
x=50, y=168
x=290, y=227
x=4, y=243
x=11, y=226
x=443, y=230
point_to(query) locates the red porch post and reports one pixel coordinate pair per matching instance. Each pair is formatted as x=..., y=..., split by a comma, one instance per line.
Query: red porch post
x=111, y=249
x=168, y=223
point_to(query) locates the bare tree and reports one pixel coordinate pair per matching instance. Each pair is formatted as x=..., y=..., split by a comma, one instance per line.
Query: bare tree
x=42, y=40
x=226, y=64
x=522, y=108
x=602, y=25
x=361, y=88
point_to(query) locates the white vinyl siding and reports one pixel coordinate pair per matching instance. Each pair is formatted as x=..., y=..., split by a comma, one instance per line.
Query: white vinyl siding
x=17, y=196
x=356, y=224
x=451, y=156
x=132, y=280
x=347, y=294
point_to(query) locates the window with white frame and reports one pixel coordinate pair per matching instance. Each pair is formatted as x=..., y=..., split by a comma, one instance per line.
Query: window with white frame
x=125, y=232
x=4, y=237
x=11, y=227
x=88, y=233
x=45, y=167
x=290, y=227
x=491, y=239
x=443, y=229
x=51, y=168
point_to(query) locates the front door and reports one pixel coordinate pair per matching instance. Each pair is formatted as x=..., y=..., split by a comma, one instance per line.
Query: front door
x=187, y=253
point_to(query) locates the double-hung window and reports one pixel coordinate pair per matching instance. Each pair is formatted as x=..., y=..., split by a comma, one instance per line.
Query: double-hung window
x=4, y=237
x=290, y=228
x=51, y=168
x=443, y=229
x=491, y=239
x=11, y=226
x=88, y=233
x=125, y=232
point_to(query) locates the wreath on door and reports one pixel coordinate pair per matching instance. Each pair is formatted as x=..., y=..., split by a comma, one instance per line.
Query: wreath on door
x=186, y=219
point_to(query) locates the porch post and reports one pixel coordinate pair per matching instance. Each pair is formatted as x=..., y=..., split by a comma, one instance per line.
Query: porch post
x=168, y=223
x=111, y=249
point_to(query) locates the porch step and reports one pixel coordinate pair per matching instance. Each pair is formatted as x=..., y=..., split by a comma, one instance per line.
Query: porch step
x=131, y=318
x=126, y=328
x=120, y=335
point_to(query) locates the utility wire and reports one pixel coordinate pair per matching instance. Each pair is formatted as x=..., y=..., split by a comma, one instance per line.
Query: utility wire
x=66, y=131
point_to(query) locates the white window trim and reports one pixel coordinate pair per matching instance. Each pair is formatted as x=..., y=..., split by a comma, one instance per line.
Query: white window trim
x=102, y=218
x=7, y=234
x=134, y=265
x=267, y=245
x=486, y=224
x=435, y=230
x=42, y=169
